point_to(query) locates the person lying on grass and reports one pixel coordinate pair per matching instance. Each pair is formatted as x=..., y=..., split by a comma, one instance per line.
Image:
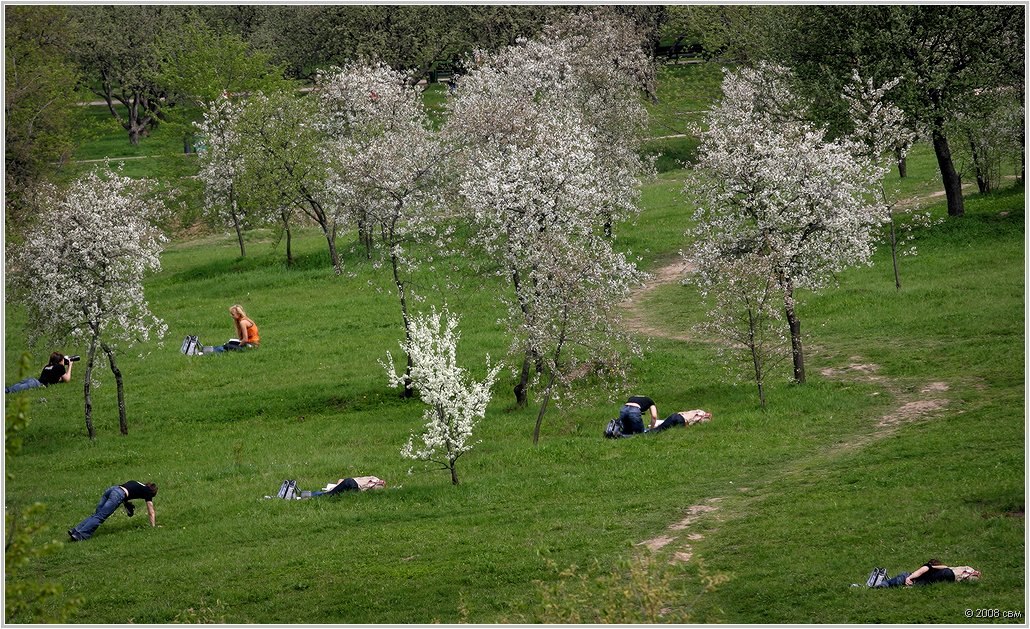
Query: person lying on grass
x=360, y=483
x=932, y=571
x=112, y=498
x=246, y=333
x=682, y=418
x=57, y=370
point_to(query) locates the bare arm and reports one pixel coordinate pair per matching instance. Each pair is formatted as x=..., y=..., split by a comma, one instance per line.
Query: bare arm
x=151, y=514
x=915, y=575
x=67, y=371
x=654, y=415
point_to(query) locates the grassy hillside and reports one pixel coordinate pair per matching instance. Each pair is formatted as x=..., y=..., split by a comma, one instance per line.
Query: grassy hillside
x=907, y=443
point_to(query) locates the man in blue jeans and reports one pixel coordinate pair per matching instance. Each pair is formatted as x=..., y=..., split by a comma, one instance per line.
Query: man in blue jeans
x=113, y=498
x=631, y=415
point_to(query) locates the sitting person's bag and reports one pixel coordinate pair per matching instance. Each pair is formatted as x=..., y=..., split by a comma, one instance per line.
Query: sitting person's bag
x=614, y=429
x=288, y=490
x=191, y=346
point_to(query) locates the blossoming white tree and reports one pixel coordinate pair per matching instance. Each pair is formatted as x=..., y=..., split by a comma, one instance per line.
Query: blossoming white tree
x=456, y=402
x=387, y=161
x=221, y=164
x=771, y=184
x=881, y=136
x=81, y=273
x=546, y=133
x=745, y=315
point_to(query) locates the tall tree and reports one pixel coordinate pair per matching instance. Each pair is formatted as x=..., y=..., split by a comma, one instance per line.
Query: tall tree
x=548, y=132
x=81, y=273
x=771, y=185
x=39, y=102
x=387, y=162
x=946, y=55
x=284, y=166
x=120, y=57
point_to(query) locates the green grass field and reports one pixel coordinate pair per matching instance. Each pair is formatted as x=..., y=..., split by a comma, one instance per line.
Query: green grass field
x=789, y=505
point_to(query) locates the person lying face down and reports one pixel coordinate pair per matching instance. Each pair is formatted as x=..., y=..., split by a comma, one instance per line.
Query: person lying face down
x=932, y=571
x=360, y=483
x=682, y=418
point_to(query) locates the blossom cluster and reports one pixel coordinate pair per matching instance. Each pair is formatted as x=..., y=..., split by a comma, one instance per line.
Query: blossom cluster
x=81, y=270
x=545, y=136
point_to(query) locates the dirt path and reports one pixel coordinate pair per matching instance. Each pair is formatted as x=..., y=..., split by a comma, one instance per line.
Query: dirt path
x=674, y=272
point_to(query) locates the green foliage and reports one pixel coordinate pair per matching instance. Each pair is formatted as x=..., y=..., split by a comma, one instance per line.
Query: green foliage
x=39, y=105
x=27, y=599
x=639, y=590
x=200, y=65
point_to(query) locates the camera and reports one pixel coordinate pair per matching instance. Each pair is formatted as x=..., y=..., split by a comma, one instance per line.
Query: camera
x=73, y=359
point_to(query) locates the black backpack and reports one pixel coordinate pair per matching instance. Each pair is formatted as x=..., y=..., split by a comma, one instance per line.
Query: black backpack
x=614, y=429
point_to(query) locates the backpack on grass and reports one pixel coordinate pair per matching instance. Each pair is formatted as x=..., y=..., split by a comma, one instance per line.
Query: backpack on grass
x=288, y=490
x=191, y=346
x=614, y=429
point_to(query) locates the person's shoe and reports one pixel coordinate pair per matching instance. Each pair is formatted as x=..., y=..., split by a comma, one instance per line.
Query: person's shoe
x=71, y=534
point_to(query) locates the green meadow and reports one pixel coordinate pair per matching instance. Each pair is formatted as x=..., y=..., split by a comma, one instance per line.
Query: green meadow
x=906, y=443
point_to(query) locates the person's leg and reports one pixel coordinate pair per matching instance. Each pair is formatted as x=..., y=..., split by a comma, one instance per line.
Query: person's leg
x=632, y=423
x=896, y=581
x=109, y=502
x=348, y=484
x=669, y=422
x=24, y=385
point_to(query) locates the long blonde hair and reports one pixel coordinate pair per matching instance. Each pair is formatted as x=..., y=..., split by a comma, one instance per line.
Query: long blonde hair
x=236, y=308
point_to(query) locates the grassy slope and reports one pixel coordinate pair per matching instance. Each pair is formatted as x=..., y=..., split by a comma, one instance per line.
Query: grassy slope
x=219, y=432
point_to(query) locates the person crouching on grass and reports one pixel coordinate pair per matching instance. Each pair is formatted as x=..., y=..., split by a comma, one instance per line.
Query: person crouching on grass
x=112, y=498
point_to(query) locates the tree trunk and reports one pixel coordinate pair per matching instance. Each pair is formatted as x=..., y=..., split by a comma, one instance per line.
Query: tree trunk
x=86, y=387
x=236, y=221
x=550, y=384
x=123, y=425
x=285, y=216
x=407, y=392
x=521, y=389
x=902, y=164
x=950, y=177
x=333, y=255
x=983, y=178
x=543, y=409
x=756, y=359
x=894, y=254
x=134, y=135
x=521, y=395
x=454, y=474
x=797, y=350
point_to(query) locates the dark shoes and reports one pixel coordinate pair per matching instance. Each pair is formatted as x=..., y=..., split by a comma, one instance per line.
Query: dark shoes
x=74, y=538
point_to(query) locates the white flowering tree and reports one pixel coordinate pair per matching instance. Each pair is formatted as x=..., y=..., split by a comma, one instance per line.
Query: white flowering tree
x=221, y=164
x=746, y=315
x=770, y=183
x=881, y=135
x=546, y=135
x=81, y=271
x=456, y=402
x=387, y=163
